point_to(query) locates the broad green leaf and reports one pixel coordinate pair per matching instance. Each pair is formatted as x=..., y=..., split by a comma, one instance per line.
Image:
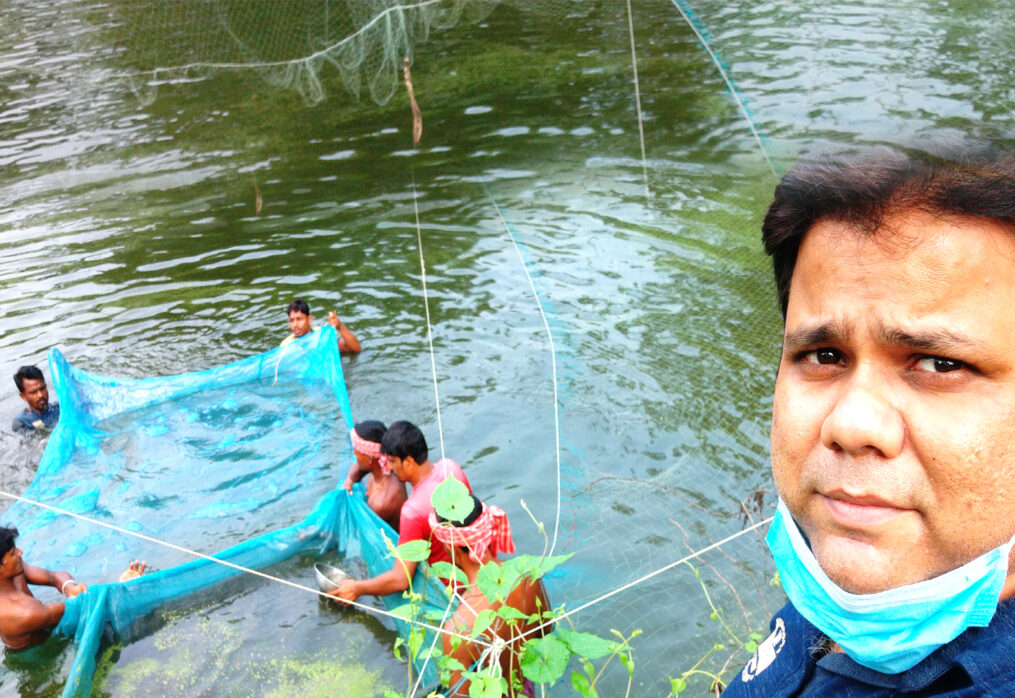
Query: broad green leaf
x=433, y=615
x=397, y=649
x=757, y=637
x=751, y=646
x=406, y=611
x=497, y=581
x=485, y=685
x=413, y=551
x=445, y=570
x=392, y=694
x=451, y=500
x=534, y=567
x=511, y=613
x=483, y=620
x=582, y=685
x=451, y=664
x=544, y=659
x=587, y=645
x=678, y=685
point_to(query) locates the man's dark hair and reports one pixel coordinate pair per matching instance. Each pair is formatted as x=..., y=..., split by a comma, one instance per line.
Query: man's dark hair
x=477, y=509
x=862, y=191
x=29, y=372
x=371, y=430
x=298, y=305
x=404, y=439
x=7, y=536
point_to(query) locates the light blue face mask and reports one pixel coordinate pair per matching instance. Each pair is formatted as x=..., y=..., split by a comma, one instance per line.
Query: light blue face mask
x=890, y=631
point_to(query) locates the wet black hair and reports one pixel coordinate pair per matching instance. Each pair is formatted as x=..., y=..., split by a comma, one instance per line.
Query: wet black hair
x=298, y=305
x=403, y=439
x=477, y=509
x=371, y=430
x=7, y=536
x=29, y=372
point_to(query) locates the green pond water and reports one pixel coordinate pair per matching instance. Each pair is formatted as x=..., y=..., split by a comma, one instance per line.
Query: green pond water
x=130, y=238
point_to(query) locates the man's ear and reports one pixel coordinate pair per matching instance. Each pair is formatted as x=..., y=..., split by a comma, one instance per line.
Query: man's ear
x=310, y=318
x=409, y=459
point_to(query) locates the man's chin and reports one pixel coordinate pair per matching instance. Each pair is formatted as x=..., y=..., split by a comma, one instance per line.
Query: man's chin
x=858, y=567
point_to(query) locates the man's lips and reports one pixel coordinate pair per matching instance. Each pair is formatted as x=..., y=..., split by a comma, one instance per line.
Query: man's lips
x=857, y=511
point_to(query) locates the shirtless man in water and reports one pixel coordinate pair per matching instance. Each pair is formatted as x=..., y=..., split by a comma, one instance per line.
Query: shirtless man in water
x=385, y=492
x=301, y=323
x=24, y=621
x=474, y=542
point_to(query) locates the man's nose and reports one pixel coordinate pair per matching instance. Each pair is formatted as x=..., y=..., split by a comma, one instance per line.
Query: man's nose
x=864, y=418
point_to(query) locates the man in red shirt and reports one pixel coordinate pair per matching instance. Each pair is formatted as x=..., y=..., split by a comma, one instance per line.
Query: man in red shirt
x=405, y=452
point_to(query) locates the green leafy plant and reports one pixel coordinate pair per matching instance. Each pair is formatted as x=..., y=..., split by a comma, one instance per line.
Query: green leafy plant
x=735, y=644
x=543, y=660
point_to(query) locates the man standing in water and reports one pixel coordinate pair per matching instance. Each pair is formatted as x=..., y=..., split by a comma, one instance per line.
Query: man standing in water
x=405, y=452
x=24, y=620
x=385, y=492
x=301, y=323
x=39, y=415
x=893, y=430
x=471, y=544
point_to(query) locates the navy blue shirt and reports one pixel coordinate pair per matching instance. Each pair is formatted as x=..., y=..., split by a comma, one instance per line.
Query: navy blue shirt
x=33, y=421
x=979, y=662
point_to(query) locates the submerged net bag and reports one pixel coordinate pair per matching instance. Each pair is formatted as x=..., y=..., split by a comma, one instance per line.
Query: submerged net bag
x=238, y=463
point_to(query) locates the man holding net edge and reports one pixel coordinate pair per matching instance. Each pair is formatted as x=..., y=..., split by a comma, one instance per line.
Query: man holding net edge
x=25, y=621
x=406, y=454
x=893, y=429
x=301, y=323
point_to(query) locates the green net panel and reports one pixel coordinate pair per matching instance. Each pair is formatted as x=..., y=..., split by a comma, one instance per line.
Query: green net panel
x=288, y=42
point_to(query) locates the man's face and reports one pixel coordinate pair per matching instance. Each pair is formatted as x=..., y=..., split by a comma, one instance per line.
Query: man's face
x=893, y=427
x=11, y=564
x=35, y=394
x=299, y=323
x=400, y=466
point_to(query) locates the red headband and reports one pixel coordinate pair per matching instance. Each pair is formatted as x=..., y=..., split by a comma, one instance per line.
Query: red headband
x=367, y=448
x=491, y=530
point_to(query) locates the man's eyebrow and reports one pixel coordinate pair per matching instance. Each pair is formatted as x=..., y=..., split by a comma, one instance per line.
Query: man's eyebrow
x=929, y=340
x=831, y=332
x=839, y=331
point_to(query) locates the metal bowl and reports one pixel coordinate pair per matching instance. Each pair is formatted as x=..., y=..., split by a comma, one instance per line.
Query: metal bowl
x=328, y=577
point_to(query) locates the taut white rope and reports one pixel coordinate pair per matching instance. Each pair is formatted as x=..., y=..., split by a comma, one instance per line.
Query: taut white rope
x=648, y=576
x=426, y=305
x=241, y=568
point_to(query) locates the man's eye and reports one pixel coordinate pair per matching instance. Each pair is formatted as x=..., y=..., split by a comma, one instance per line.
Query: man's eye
x=823, y=356
x=936, y=364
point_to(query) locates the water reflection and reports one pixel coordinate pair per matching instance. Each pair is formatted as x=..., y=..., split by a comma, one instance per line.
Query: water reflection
x=132, y=240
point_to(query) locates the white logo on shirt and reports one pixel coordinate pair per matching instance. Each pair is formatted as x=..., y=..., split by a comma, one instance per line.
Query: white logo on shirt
x=766, y=652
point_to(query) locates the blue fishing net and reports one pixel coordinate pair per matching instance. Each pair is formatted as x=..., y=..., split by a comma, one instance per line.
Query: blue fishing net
x=240, y=463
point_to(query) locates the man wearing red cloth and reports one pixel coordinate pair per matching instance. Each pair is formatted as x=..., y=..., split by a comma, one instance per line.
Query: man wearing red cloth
x=406, y=454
